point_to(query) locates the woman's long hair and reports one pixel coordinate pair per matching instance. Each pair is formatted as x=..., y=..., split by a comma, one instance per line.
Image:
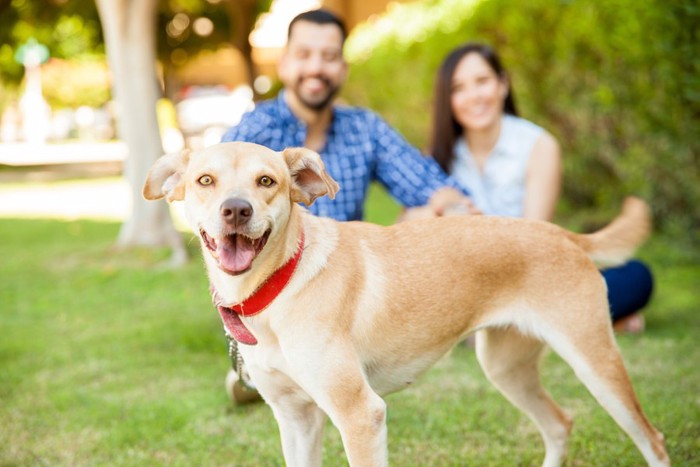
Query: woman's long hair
x=446, y=130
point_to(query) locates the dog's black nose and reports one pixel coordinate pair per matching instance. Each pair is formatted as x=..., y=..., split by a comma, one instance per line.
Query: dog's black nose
x=236, y=211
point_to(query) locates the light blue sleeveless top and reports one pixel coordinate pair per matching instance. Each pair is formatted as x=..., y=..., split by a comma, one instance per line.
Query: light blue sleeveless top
x=500, y=189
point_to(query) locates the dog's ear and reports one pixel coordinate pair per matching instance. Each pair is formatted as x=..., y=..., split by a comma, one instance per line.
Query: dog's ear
x=309, y=177
x=165, y=179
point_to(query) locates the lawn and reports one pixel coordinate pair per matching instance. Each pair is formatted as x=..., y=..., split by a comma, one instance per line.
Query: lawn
x=108, y=359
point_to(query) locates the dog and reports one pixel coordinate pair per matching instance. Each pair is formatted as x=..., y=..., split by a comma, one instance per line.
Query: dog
x=331, y=316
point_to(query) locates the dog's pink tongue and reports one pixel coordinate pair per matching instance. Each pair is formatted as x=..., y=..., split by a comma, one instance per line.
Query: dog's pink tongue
x=235, y=256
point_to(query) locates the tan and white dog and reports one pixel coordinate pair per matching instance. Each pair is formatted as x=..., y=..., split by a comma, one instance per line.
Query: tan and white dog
x=364, y=310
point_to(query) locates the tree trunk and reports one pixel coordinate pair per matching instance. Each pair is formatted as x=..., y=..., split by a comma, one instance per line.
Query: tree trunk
x=130, y=40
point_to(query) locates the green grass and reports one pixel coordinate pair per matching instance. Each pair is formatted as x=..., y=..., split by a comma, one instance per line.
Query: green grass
x=106, y=359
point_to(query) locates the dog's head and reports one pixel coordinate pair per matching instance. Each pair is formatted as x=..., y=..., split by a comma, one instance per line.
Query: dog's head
x=238, y=195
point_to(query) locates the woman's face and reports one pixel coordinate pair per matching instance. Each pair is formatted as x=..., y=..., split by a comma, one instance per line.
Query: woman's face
x=478, y=94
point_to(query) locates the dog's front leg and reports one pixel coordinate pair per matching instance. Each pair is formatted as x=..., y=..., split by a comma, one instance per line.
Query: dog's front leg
x=358, y=413
x=299, y=419
x=301, y=429
x=362, y=424
x=329, y=371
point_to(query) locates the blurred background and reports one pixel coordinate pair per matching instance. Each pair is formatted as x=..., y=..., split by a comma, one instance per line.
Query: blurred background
x=617, y=82
x=214, y=57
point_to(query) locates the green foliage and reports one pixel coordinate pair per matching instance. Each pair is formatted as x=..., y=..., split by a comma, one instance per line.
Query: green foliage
x=617, y=82
x=380, y=207
x=182, y=37
x=70, y=84
x=77, y=36
x=232, y=22
x=70, y=30
x=109, y=360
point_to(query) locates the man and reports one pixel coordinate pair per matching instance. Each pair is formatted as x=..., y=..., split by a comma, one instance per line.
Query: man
x=356, y=145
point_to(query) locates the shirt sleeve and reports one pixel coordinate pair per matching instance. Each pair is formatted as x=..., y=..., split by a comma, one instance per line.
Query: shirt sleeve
x=249, y=129
x=408, y=175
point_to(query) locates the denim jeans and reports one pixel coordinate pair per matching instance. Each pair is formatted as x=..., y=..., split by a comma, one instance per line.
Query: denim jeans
x=629, y=288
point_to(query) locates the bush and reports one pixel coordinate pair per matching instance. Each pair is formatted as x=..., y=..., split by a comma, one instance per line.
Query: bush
x=75, y=83
x=617, y=82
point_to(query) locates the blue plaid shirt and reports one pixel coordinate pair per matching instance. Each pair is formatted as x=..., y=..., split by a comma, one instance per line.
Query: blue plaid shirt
x=360, y=147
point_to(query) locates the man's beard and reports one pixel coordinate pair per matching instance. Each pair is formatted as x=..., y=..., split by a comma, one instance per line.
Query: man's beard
x=321, y=101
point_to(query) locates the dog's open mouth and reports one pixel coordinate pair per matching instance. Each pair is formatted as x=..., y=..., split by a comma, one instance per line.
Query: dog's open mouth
x=234, y=252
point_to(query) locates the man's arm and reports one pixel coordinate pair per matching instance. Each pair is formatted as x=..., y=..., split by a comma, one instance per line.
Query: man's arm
x=411, y=178
x=249, y=129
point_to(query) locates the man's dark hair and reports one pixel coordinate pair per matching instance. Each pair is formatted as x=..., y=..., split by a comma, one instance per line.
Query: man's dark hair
x=319, y=16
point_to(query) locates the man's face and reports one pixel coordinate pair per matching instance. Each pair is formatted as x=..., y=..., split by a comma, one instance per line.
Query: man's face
x=312, y=67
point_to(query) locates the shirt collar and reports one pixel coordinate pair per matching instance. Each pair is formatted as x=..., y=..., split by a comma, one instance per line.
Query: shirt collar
x=284, y=111
x=462, y=148
x=501, y=146
x=287, y=116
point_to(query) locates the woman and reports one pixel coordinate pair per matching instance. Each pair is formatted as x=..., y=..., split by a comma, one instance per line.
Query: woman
x=511, y=166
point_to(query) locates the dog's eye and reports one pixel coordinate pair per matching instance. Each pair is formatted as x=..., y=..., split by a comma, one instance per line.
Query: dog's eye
x=266, y=181
x=205, y=180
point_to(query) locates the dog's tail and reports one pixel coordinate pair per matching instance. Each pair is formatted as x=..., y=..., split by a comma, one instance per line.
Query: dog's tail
x=616, y=243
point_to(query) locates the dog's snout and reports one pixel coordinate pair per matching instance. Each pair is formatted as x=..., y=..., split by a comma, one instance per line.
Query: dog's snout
x=235, y=211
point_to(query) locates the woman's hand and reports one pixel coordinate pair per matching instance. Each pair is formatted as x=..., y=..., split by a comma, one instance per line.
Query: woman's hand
x=450, y=202
x=444, y=202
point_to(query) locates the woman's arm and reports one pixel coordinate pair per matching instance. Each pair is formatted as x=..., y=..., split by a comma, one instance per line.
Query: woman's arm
x=543, y=179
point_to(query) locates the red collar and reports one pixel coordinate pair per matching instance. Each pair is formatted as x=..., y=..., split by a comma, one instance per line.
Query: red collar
x=258, y=301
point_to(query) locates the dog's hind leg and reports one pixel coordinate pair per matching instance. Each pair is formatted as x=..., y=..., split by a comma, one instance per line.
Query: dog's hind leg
x=593, y=354
x=511, y=362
